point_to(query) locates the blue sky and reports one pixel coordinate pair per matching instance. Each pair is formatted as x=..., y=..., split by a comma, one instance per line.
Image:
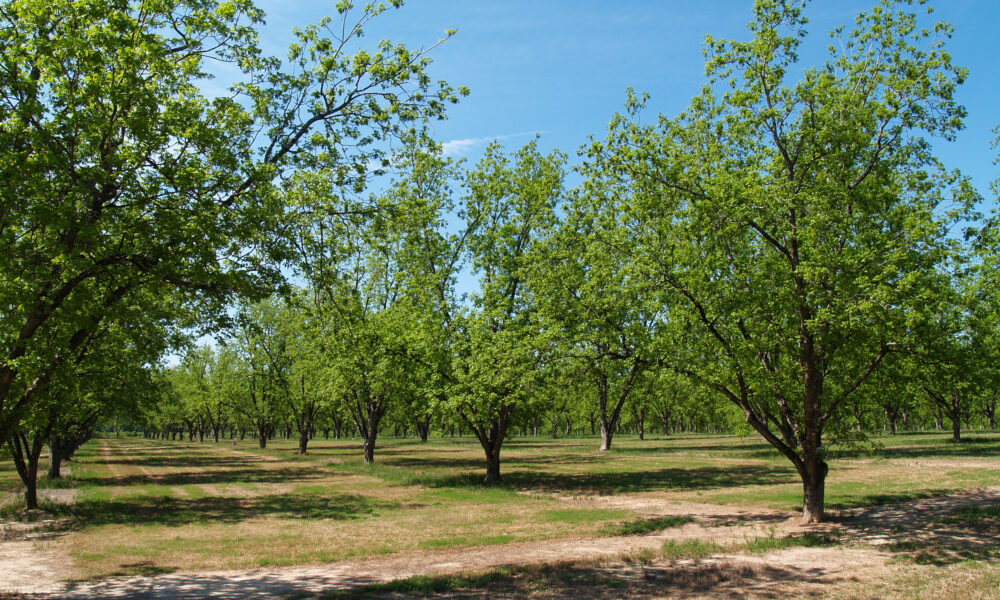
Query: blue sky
x=561, y=68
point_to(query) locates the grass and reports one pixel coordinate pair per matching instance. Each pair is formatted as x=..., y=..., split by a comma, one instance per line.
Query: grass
x=761, y=545
x=146, y=505
x=974, y=516
x=421, y=585
x=693, y=549
x=643, y=526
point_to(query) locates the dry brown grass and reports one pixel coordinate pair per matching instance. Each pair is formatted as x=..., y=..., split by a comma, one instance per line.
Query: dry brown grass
x=146, y=507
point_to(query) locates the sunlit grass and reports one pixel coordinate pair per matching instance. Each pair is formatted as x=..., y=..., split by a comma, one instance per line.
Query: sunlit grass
x=146, y=505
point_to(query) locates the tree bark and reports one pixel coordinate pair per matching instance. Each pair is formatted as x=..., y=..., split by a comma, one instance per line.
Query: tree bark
x=369, y=450
x=813, y=491
x=423, y=428
x=606, y=435
x=493, y=467
x=55, y=457
x=26, y=455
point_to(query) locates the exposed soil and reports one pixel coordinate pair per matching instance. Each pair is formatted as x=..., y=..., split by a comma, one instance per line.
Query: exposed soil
x=868, y=541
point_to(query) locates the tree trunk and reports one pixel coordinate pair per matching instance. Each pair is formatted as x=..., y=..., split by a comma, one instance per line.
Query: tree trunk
x=303, y=440
x=26, y=455
x=493, y=467
x=261, y=437
x=369, y=448
x=423, y=428
x=55, y=464
x=607, y=432
x=956, y=426
x=55, y=457
x=813, y=492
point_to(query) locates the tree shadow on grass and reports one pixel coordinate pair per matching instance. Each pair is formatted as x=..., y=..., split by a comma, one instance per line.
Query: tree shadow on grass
x=185, y=460
x=223, y=477
x=616, y=482
x=969, y=447
x=169, y=511
x=653, y=579
x=939, y=530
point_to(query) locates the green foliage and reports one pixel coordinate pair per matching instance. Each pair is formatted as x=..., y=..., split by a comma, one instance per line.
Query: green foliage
x=499, y=344
x=790, y=226
x=126, y=187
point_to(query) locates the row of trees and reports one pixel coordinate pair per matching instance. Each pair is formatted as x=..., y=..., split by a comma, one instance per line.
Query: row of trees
x=786, y=256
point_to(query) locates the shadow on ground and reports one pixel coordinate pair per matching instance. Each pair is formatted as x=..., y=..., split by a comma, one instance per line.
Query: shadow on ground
x=941, y=530
x=616, y=482
x=152, y=510
x=686, y=579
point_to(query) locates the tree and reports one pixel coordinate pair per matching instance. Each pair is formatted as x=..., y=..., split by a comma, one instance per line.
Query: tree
x=381, y=273
x=255, y=368
x=790, y=224
x=600, y=311
x=113, y=373
x=499, y=342
x=952, y=357
x=120, y=177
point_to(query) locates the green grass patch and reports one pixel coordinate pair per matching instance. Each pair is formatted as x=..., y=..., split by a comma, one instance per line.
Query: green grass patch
x=643, y=526
x=478, y=494
x=769, y=544
x=676, y=550
x=452, y=542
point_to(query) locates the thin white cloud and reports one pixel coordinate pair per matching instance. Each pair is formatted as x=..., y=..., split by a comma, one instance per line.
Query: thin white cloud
x=464, y=146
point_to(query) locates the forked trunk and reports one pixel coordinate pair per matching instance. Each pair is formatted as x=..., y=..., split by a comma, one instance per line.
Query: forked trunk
x=26, y=455
x=423, y=425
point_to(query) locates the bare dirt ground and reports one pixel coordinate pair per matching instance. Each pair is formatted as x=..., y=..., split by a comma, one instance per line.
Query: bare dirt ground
x=869, y=541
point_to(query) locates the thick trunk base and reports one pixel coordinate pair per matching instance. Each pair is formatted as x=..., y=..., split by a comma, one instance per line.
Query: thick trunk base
x=492, y=470
x=813, y=495
x=606, y=436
